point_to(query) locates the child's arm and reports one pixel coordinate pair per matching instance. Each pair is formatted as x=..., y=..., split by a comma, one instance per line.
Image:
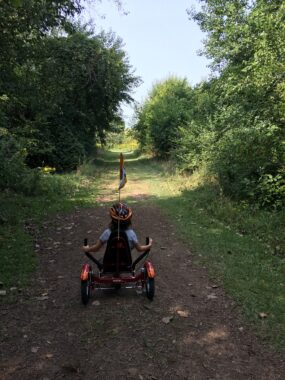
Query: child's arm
x=92, y=248
x=143, y=248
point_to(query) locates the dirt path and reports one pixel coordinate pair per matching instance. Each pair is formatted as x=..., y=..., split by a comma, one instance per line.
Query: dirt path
x=48, y=334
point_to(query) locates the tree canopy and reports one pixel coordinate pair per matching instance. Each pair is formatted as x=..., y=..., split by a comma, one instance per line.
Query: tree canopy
x=235, y=121
x=164, y=112
x=61, y=85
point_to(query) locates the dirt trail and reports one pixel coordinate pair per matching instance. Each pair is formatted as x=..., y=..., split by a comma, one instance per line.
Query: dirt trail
x=48, y=334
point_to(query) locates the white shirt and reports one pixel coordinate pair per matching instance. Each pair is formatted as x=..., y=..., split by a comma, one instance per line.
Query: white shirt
x=132, y=237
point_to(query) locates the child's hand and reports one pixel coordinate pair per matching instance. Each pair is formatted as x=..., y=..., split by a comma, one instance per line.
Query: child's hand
x=150, y=241
x=85, y=248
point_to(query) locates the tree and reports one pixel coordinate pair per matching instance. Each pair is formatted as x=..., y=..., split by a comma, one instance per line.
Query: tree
x=195, y=140
x=163, y=113
x=246, y=44
x=62, y=86
x=71, y=97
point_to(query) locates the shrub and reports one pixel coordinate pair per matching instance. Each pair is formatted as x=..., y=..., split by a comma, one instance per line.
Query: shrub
x=270, y=190
x=14, y=173
x=248, y=163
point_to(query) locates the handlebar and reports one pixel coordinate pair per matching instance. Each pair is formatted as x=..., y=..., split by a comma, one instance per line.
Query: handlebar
x=88, y=254
x=143, y=255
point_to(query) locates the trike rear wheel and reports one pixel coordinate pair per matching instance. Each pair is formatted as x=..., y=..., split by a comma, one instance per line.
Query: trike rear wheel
x=85, y=292
x=149, y=287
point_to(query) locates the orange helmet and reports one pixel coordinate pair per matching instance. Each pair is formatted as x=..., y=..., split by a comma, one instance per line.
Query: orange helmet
x=120, y=211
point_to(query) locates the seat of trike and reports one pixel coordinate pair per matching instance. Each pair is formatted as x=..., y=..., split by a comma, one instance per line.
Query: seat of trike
x=117, y=257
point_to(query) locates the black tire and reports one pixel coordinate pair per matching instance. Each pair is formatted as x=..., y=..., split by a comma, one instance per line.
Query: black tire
x=149, y=287
x=85, y=292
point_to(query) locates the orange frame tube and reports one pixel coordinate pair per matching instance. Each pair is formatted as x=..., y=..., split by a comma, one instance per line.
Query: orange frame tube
x=149, y=269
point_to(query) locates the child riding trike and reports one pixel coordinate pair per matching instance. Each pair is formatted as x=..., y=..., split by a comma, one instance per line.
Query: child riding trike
x=117, y=269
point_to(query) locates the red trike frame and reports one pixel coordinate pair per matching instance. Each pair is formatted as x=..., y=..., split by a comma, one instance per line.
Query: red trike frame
x=122, y=278
x=119, y=271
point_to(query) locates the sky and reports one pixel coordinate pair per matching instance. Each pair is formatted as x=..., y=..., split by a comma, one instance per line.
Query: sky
x=158, y=38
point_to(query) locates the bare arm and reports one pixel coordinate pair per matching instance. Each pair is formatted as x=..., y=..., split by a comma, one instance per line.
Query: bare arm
x=143, y=248
x=92, y=248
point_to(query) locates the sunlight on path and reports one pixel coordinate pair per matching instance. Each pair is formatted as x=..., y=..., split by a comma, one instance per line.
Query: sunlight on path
x=135, y=188
x=144, y=180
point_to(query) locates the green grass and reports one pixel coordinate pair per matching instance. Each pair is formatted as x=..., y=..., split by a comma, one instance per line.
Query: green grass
x=60, y=193
x=242, y=263
x=242, y=247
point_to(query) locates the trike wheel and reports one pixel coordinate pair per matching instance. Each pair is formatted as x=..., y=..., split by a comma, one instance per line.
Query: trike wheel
x=85, y=292
x=149, y=287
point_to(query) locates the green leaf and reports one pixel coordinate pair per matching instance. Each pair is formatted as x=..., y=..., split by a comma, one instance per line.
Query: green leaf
x=17, y=3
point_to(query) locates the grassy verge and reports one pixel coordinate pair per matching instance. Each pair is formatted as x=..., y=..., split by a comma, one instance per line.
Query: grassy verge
x=243, y=248
x=59, y=193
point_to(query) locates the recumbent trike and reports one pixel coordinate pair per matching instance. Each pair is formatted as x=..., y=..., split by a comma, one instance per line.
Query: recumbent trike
x=117, y=269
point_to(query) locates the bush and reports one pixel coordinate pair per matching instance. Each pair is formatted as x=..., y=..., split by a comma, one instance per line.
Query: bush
x=14, y=173
x=248, y=163
x=64, y=153
x=270, y=191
